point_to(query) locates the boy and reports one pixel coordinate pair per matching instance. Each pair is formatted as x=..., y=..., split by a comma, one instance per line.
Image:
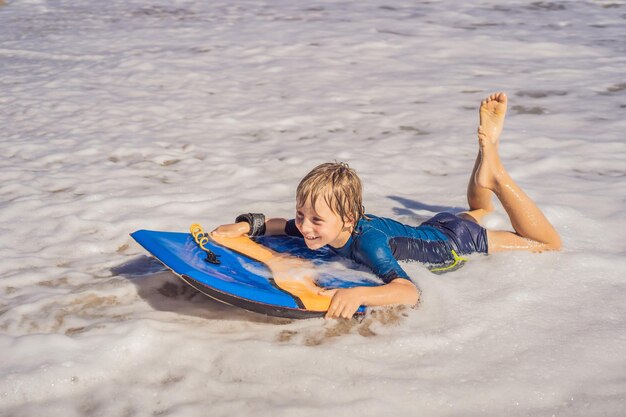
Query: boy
x=329, y=211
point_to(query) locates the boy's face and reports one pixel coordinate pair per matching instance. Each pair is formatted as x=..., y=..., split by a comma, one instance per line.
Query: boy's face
x=321, y=226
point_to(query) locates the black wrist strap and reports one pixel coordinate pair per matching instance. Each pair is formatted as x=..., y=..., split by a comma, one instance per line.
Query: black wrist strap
x=256, y=222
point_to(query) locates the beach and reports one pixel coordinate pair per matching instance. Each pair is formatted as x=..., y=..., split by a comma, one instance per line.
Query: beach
x=125, y=115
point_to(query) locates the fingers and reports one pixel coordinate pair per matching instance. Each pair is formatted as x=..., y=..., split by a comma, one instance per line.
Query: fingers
x=342, y=307
x=228, y=230
x=345, y=312
x=222, y=233
x=328, y=293
x=338, y=308
x=218, y=232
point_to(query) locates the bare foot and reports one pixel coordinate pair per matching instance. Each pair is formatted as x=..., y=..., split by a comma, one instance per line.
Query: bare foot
x=490, y=169
x=492, y=112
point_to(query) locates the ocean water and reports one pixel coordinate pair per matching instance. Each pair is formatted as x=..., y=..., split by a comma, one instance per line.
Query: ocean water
x=122, y=115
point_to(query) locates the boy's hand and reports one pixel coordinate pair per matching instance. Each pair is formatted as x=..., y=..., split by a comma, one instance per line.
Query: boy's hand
x=345, y=303
x=232, y=230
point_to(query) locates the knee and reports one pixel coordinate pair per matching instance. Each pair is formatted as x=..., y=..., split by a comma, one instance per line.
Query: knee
x=555, y=243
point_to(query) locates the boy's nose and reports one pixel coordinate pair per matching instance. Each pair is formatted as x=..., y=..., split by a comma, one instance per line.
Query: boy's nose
x=306, y=225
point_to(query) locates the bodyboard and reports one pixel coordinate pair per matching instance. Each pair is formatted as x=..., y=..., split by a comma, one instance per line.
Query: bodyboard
x=274, y=275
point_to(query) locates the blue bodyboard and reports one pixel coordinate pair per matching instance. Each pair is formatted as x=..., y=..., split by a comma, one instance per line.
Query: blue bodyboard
x=244, y=282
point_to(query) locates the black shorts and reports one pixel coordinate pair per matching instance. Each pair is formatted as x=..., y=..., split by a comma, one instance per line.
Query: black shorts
x=466, y=235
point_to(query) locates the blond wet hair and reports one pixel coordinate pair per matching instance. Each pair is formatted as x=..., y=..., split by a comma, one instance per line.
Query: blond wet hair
x=338, y=185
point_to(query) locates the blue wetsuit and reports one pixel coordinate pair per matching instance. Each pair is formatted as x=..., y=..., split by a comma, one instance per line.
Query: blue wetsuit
x=380, y=243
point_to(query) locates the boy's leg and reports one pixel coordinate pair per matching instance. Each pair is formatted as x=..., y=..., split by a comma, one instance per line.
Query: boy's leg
x=478, y=197
x=532, y=230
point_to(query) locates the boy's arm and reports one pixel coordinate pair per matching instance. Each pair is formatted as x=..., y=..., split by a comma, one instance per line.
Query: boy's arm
x=346, y=301
x=275, y=226
x=372, y=249
x=272, y=227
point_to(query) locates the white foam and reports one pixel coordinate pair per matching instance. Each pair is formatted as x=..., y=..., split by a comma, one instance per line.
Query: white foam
x=123, y=115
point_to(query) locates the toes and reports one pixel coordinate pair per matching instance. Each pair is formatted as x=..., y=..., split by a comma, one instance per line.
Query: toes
x=499, y=96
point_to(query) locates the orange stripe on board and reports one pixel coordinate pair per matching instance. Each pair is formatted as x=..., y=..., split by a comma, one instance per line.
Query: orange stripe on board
x=290, y=273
